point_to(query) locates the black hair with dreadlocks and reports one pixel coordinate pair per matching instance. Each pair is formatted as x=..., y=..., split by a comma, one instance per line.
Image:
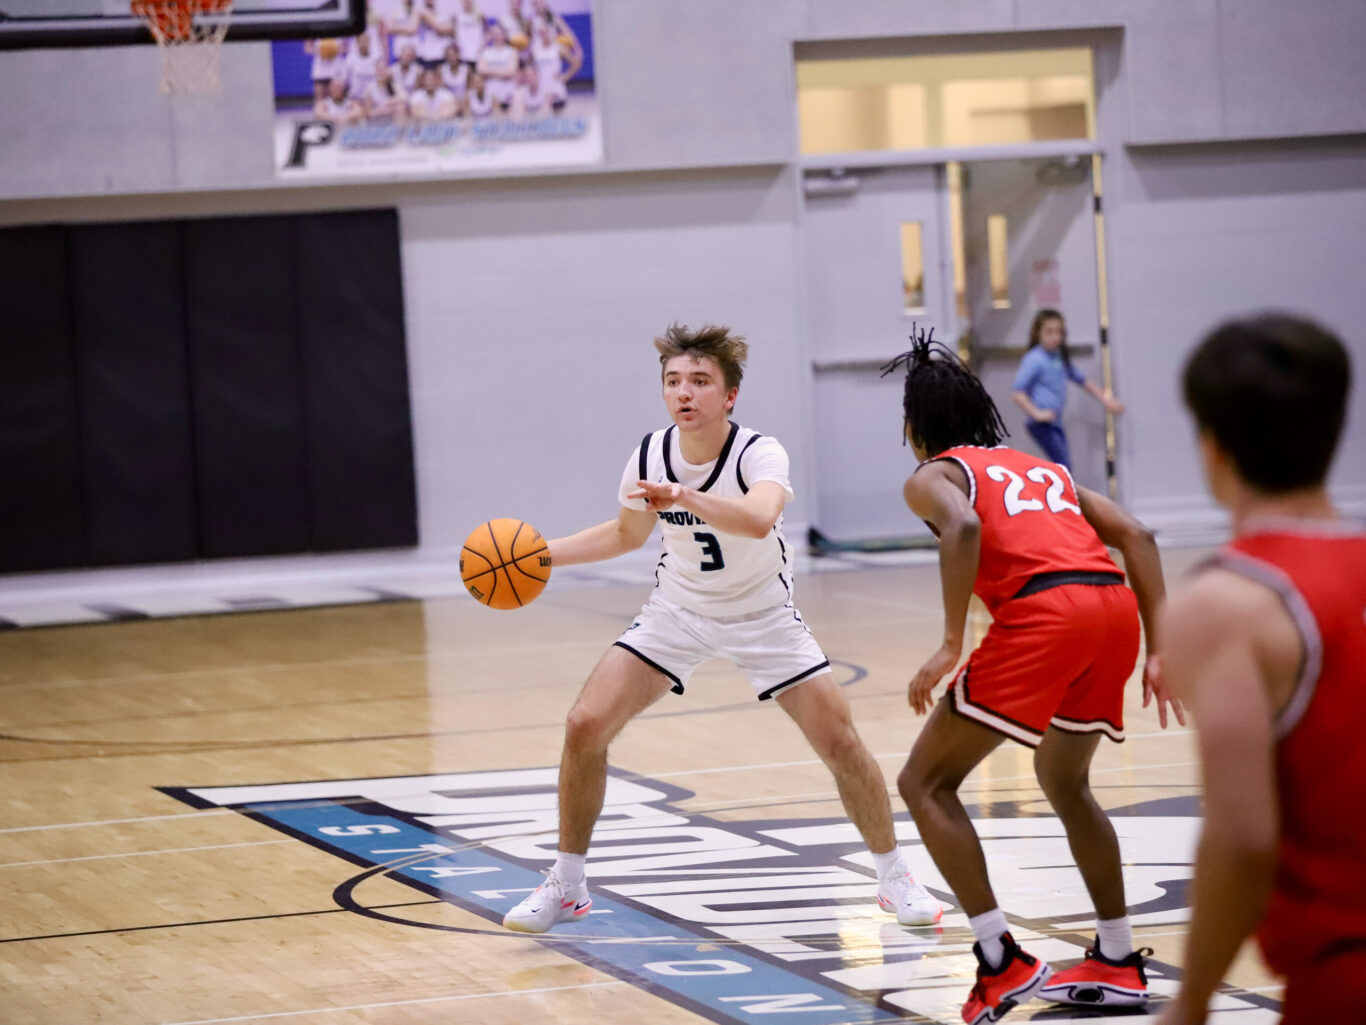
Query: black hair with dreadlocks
x=944, y=404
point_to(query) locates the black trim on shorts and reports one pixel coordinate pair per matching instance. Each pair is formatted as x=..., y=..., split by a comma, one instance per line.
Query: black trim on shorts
x=1088, y=726
x=1060, y=578
x=678, y=684
x=800, y=677
x=739, y=474
x=952, y=695
x=952, y=699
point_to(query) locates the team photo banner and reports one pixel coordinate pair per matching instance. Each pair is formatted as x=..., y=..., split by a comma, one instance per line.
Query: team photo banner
x=439, y=86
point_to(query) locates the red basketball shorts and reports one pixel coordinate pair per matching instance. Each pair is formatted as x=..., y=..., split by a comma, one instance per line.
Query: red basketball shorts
x=1056, y=658
x=1329, y=989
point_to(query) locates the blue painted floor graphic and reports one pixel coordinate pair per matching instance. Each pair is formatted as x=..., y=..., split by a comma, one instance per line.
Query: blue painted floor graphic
x=736, y=921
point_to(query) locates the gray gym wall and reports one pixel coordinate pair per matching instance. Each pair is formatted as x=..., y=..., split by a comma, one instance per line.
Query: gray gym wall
x=1234, y=134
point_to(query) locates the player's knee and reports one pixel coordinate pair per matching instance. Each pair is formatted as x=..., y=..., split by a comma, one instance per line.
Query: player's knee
x=924, y=784
x=1064, y=787
x=585, y=730
x=921, y=788
x=842, y=747
x=909, y=785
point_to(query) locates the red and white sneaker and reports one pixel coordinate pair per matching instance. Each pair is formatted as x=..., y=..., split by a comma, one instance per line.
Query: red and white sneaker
x=551, y=902
x=912, y=904
x=1019, y=977
x=1100, y=982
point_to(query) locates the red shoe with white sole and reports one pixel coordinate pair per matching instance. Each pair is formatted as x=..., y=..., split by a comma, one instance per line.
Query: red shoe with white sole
x=1100, y=982
x=1018, y=978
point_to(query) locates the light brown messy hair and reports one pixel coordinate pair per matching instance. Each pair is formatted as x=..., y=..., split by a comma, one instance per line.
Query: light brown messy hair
x=714, y=341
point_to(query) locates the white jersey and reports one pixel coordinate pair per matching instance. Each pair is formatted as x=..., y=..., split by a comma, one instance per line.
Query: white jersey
x=480, y=106
x=455, y=79
x=531, y=103
x=360, y=72
x=330, y=110
x=402, y=30
x=382, y=97
x=431, y=44
x=498, y=65
x=702, y=569
x=549, y=63
x=437, y=106
x=469, y=34
x=407, y=78
x=325, y=69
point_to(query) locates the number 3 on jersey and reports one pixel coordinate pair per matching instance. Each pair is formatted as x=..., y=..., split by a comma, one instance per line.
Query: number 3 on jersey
x=711, y=552
x=1016, y=504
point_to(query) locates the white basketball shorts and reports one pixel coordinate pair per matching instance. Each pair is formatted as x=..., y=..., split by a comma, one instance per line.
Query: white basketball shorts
x=773, y=648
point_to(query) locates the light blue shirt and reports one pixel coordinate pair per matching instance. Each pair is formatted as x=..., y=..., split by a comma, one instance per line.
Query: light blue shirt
x=1043, y=377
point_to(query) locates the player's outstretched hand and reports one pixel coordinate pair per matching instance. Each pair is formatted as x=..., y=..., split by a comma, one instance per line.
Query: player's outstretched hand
x=1154, y=686
x=658, y=496
x=924, y=682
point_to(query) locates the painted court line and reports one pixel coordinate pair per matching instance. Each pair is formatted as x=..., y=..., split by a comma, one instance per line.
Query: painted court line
x=400, y=1003
x=118, y=822
x=894, y=754
x=139, y=854
x=653, y=775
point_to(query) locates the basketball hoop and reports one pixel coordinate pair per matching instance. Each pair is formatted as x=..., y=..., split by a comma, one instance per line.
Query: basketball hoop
x=189, y=34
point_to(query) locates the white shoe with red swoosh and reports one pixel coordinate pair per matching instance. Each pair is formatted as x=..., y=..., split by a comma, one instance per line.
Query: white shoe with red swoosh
x=551, y=902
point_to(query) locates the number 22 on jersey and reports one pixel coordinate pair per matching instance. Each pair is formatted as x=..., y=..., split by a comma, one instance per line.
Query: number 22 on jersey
x=1015, y=500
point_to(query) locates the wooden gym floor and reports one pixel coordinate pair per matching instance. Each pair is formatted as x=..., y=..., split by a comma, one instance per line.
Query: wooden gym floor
x=727, y=885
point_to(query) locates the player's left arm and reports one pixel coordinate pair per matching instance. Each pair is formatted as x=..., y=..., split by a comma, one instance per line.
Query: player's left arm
x=1118, y=528
x=751, y=515
x=1213, y=630
x=935, y=495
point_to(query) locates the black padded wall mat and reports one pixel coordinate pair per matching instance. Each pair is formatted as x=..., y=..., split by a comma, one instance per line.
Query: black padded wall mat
x=203, y=389
x=246, y=387
x=356, y=381
x=128, y=313
x=41, y=520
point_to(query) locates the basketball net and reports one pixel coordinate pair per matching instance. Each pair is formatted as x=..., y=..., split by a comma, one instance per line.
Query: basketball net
x=189, y=34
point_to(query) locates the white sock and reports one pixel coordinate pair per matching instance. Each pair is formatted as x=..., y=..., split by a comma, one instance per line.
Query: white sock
x=887, y=861
x=989, y=928
x=1114, y=937
x=569, y=867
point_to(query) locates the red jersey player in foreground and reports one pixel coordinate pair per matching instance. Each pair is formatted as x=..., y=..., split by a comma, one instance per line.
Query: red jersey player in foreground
x=1267, y=646
x=1050, y=674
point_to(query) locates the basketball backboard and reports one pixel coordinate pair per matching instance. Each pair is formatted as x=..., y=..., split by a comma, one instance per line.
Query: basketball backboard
x=65, y=23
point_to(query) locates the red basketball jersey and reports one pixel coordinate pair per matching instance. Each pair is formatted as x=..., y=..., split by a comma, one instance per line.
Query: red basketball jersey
x=1031, y=521
x=1318, y=569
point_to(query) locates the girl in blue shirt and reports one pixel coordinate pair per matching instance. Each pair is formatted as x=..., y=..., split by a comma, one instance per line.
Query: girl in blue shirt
x=1041, y=385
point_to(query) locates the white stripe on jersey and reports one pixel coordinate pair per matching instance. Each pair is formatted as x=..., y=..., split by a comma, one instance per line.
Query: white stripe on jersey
x=705, y=570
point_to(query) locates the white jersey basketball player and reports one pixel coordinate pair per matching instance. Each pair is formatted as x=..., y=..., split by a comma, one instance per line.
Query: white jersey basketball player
x=724, y=588
x=469, y=31
x=499, y=63
x=549, y=62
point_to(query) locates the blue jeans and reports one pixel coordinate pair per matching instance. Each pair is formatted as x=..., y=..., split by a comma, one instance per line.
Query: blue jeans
x=1050, y=438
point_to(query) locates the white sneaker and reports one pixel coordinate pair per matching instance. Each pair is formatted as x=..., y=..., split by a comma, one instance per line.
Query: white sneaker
x=908, y=900
x=553, y=901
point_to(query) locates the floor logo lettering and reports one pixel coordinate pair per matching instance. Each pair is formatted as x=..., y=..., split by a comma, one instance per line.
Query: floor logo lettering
x=733, y=920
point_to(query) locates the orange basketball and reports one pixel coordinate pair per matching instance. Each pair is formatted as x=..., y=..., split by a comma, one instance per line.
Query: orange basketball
x=329, y=49
x=505, y=563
